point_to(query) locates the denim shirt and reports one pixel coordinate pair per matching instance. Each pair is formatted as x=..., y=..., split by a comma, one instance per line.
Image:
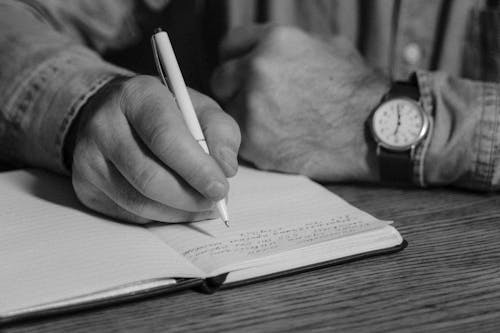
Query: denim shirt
x=55, y=54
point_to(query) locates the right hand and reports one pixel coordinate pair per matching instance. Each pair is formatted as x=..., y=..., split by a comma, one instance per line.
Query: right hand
x=135, y=159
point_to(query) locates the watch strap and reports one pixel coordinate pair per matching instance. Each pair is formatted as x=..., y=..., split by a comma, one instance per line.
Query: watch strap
x=403, y=89
x=395, y=167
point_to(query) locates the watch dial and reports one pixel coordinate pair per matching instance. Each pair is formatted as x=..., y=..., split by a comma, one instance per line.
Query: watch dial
x=398, y=123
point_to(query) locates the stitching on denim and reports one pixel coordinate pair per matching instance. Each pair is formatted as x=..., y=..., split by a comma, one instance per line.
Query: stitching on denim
x=491, y=127
x=23, y=103
x=73, y=110
x=477, y=167
x=31, y=75
x=21, y=99
x=494, y=135
x=487, y=135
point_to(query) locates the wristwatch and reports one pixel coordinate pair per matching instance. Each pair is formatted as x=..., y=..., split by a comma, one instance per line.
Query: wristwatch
x=398, y=125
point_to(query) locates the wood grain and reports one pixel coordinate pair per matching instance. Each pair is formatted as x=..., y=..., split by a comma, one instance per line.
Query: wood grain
x=448, y=279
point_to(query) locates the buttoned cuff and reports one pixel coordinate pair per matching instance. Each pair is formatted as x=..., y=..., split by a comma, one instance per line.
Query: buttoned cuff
x=49, y=102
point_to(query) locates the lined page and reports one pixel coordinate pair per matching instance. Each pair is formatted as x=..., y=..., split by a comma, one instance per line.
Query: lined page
x=52, y=249
x=269, y=213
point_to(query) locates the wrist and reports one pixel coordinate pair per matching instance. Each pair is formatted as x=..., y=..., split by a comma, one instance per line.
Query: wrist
x=85, y=111
x=398, y=126
x=344, y=150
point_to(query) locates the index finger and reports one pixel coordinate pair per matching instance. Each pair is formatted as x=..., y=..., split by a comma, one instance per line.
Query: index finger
x=154, y=115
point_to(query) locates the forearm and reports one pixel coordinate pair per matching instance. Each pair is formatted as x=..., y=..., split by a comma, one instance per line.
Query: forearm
x=45, y=79
x=463, y=147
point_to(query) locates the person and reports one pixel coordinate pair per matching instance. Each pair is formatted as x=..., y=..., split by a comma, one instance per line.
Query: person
x=303, y=100
x=73, y=100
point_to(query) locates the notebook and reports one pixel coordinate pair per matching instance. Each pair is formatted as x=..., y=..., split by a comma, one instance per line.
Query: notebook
x=57, y=256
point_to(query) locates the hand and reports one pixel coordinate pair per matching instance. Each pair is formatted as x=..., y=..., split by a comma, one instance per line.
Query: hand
x=135, y=159
x=301, y=102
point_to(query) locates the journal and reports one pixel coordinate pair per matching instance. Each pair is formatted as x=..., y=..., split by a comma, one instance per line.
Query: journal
x=56, y=255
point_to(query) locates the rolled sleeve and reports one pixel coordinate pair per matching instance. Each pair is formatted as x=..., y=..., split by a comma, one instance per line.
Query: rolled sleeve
x=462, y=148
x=73, y=78
x=43, y=108
x=45, y=79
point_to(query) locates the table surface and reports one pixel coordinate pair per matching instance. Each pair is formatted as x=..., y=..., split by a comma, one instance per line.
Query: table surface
x=447, y=279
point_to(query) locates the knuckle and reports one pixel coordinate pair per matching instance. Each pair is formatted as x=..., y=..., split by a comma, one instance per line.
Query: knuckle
x=163, y=137
x=138, y=83
x=91, y=166
x=144, y=177
x=138, y=90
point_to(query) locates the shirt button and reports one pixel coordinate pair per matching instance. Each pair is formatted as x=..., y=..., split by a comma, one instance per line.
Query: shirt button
x=156, y=5
x=412, y=53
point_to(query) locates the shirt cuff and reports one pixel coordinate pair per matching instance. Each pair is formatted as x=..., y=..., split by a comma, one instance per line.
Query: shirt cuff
x=49, y=102
x=485, y=175
x=463, y=144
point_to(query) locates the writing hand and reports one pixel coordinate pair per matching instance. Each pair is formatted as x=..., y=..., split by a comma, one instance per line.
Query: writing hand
x=135, y=159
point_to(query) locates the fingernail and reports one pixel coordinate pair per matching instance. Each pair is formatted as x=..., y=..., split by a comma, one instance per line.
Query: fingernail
x=216, y=190
x=229, y=159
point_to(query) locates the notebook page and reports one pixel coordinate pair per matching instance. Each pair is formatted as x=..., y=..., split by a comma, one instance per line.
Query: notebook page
x=51, y=249
x=365, y=242
x=269, y=213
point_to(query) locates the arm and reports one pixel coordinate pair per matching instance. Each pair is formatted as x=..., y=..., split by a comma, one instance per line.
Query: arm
x=463, y=148
x=132, y=155
x=48, y=73
x=302, y=103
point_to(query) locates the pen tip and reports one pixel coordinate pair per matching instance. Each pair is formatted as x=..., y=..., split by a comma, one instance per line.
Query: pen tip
x=157, y=30
x=226, y=222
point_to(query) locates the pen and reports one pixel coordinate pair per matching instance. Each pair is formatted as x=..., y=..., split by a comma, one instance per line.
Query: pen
x=171, y=76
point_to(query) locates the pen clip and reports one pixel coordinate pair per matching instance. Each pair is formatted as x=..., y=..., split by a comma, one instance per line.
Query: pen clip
x=159, y=64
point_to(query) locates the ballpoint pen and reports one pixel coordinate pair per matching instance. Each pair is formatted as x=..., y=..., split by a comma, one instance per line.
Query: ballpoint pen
x=171, y=76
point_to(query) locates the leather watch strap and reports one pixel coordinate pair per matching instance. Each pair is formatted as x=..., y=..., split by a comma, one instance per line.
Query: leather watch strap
x=395, y=167
x=403, y=89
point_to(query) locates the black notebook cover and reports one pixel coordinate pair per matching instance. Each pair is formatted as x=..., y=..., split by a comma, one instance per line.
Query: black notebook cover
x=207, y=286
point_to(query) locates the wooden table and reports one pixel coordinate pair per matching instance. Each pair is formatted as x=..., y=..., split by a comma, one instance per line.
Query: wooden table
x=448, y=279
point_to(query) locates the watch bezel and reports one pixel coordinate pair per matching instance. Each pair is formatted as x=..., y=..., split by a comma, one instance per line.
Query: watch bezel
x=421, y=135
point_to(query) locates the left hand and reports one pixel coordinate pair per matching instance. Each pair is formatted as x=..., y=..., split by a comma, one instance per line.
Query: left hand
x=301, y=102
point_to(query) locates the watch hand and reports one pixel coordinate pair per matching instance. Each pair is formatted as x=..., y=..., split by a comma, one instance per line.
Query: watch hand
x=398, y=108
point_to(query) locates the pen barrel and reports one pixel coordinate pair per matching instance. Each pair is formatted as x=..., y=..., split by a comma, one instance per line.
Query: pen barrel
x=166, y=60
x=176, y=82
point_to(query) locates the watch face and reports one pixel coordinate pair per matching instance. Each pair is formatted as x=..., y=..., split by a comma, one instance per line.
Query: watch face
x=399, y=124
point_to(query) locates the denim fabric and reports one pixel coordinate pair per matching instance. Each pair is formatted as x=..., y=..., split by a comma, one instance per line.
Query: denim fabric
x=52, y=60
x=45, y=78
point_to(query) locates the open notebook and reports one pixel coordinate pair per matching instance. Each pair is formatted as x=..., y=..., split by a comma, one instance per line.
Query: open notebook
x=56, y=255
